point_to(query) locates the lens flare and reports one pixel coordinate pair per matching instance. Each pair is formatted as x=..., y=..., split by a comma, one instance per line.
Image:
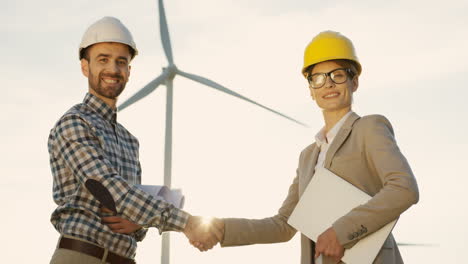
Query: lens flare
x=206, y=221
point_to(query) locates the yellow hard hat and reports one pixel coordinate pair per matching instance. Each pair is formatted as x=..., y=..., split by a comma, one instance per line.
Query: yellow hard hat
x=329, y=45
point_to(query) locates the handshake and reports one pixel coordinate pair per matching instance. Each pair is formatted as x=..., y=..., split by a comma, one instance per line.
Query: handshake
x=203, y=233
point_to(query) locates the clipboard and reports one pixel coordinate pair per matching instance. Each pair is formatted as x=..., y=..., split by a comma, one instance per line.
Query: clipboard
x=162, y=192
x=327, y=198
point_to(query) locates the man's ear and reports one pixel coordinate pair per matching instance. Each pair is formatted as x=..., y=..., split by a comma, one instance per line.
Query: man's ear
x=129, y=70
x=85, y=67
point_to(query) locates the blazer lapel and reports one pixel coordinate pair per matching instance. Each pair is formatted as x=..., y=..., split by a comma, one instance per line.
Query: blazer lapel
x=313, y=163
x=308, y=169
x=340, y=138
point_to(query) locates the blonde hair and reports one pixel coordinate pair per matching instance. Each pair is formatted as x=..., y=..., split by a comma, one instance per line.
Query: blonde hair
x=342, y=62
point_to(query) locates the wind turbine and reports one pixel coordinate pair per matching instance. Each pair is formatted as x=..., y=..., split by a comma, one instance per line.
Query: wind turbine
x=166, y=77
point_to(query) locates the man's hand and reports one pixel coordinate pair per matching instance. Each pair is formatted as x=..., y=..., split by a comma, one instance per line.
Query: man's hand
x=118, y=224
x=329, y=246
x=204, y=233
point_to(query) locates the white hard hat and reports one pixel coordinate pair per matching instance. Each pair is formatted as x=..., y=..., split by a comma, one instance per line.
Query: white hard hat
x=107, y=29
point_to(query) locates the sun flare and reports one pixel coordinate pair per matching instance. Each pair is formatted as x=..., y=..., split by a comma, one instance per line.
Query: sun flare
x=206, y=221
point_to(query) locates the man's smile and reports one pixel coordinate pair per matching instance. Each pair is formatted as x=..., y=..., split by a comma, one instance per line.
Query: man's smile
x=111, y=79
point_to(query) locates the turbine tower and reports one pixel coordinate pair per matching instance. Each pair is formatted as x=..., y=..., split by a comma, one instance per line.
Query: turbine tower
x=166, y=77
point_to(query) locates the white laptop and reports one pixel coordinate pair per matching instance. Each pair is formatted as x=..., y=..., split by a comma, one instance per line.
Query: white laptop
x=327, y=198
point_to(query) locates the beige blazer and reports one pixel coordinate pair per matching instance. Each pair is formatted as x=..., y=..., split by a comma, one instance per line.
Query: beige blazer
x=364, y=153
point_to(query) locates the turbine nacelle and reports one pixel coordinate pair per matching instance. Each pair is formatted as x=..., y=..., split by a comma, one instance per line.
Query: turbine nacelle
x=171, y=71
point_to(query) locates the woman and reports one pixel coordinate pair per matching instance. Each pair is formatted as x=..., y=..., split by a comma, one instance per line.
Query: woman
x=362, y=150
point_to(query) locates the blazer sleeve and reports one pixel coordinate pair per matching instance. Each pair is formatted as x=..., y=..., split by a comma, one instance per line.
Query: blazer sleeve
x=240, y=231
x=399, y=191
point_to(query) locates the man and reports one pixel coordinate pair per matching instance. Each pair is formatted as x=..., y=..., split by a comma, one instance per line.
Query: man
x=95, y=165
x=362, y=150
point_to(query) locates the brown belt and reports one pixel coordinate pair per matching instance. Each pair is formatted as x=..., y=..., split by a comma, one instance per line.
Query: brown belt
x=92, y=250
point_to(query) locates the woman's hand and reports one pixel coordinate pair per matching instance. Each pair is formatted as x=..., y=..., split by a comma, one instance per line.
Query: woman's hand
x=329, y=246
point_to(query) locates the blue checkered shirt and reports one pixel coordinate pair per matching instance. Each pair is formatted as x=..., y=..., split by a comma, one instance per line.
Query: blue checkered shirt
x=88, y=143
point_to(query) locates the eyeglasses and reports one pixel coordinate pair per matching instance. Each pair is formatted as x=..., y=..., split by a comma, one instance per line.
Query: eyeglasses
x=338, y=76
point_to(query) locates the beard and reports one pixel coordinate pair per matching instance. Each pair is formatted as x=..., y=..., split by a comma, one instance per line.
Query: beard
x=107, y=90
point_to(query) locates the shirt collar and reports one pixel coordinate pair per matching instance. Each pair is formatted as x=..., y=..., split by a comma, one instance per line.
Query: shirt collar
x=320, y=136
x=98, y=106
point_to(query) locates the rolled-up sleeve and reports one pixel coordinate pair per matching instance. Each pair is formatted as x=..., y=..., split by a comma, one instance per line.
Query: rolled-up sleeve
x=80, y=148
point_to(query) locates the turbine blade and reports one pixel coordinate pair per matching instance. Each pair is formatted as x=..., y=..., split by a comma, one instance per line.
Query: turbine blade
x=416, y=245
x=221, y=88
x=143, y=92
x=165, y=39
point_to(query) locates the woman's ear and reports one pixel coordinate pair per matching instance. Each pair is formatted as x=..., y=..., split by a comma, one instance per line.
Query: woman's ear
x=355, y=83
x=312, y=94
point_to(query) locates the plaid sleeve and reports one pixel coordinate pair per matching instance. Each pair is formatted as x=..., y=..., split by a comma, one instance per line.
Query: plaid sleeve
x=140, y=234
x=80, y=147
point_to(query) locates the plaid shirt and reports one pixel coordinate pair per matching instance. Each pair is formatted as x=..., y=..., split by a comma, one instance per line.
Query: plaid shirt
x=88, y=143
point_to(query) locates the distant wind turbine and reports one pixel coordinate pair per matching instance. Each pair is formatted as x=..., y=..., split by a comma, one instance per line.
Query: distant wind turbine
x=167, y=76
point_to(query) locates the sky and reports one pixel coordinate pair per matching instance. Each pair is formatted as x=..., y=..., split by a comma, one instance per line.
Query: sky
x=230, y=158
